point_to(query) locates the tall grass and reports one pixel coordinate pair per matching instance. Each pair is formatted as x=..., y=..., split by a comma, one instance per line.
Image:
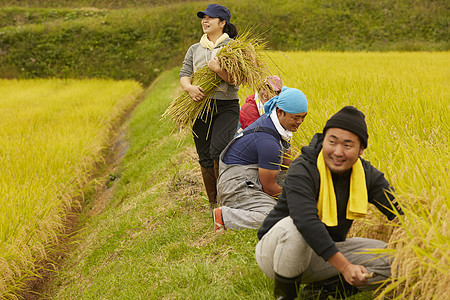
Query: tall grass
x=406, y=100
x=52, y=132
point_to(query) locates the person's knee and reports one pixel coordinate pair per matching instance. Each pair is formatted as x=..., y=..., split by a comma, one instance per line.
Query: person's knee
x=219, y=142
x=264, y=259
x=288, y=251
x=372, y=243
x=359, y=245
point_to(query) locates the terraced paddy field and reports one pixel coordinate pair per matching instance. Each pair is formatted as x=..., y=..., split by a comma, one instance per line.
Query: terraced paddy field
x=52, y=133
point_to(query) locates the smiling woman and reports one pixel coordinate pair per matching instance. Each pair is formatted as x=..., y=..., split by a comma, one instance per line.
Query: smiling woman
x=52, y=133
x=213, y=132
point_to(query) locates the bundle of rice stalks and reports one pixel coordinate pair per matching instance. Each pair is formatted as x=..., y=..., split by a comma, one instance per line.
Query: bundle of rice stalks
x=243, y=61
x=420, y=247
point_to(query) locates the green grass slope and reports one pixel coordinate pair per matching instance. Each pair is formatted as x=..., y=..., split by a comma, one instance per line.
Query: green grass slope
x=154, y=239
x=136, y=40
x=21, y=16
x=110, y=4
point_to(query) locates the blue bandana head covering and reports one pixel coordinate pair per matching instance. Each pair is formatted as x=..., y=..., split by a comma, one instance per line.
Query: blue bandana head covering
x=290, y=100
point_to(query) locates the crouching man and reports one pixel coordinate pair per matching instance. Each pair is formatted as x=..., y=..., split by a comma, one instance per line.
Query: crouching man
x=303, y=239
x=247, y=186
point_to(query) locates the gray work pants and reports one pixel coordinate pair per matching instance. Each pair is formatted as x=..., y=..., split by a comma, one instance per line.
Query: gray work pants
x=284, y=251
x=239, y=192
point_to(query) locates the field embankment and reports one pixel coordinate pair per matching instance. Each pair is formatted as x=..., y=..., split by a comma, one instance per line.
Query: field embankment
x=154, y=238
x=53, y=133
x=130, y=40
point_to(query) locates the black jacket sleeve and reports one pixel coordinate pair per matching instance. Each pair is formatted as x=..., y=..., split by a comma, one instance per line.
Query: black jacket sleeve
x=380, y=193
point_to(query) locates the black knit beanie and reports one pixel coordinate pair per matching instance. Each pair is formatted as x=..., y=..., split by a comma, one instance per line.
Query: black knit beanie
x=351, y=119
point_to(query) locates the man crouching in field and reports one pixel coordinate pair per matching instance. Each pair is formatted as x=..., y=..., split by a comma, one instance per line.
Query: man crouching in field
x=247, y=187
x=303, y=239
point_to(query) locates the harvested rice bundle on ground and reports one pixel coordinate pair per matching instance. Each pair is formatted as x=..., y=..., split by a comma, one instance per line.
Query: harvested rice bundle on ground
x=241, y=58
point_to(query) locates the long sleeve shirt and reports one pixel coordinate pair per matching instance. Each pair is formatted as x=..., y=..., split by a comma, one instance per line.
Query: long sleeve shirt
x=301, y=192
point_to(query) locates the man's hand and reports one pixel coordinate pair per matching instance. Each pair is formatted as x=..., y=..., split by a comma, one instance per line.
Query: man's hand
x=355, y=274
x=287, y=160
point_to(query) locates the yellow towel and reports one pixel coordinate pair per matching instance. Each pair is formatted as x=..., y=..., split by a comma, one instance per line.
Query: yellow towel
x=206, y=43
x=358, y=199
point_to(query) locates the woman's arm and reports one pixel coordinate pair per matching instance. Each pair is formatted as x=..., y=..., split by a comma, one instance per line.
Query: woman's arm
x=214, y=65
x=195, y=91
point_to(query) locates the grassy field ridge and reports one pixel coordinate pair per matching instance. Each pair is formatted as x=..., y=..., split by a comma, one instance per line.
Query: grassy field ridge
x=154, y=237
x=137, y=41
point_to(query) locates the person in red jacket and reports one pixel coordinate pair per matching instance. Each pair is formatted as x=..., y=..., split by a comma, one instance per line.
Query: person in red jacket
x=253, y=107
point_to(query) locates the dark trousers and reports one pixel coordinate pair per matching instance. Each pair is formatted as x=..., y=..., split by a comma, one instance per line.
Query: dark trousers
x=213, y=132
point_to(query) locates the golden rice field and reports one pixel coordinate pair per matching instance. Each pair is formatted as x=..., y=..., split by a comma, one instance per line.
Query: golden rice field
x=406, y=100
x=52, y=132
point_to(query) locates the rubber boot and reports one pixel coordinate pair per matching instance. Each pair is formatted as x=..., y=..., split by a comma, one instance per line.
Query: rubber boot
x=335, y=286
x=209, y=179
x=286, y=288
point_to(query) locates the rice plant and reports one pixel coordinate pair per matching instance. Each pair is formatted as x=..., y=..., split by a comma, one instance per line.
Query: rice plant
x=405, y=97
x=52, y=132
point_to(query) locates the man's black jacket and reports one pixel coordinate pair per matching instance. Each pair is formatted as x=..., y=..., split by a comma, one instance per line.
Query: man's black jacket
x=301, y=192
